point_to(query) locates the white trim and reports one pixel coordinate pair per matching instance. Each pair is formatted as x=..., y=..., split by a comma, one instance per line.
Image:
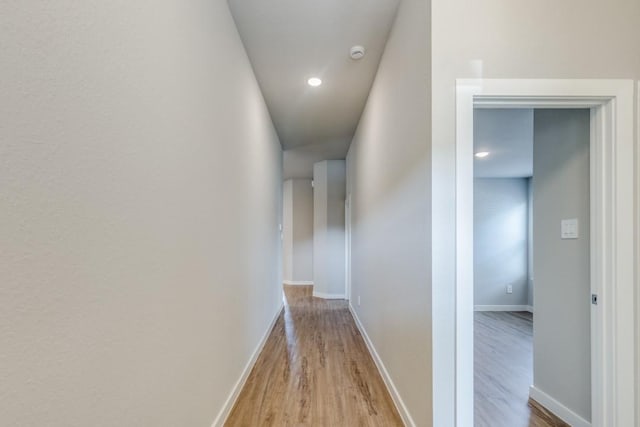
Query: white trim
x=463, y=354
x=393, y=391
x=347, y=246
x=637, y=239
x=503, y=308
x=557, y=408
x=298, y=282
x=613, y=227
x=327, y=296
x=237, y=388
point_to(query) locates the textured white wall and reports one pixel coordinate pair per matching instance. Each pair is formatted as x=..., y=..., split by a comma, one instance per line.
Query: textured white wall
x=388, y=179
x=500, y=241
x=580, y=39
x=139, y=211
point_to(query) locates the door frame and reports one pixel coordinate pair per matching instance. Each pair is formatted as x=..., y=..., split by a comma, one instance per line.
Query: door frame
x=347, y=244
x=613, y=257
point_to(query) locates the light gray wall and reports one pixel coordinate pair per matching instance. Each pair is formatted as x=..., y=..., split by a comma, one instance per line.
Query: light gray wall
x=500, y=252
x=561, y=331
x=579, y=40
x=389, y=182
x=302, y=230
x=329, y=180
x=287, y=230
x=139, y=212
x=298, y=230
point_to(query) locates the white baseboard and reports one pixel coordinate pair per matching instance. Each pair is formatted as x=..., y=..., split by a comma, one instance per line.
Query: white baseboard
x=503, y=308
x=297, y=283
x=233, y=396
x=327, y=296
x=558, y=409
x=397, y=400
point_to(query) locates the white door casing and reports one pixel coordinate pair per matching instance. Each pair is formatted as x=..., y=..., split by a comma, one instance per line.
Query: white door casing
x=614, y=252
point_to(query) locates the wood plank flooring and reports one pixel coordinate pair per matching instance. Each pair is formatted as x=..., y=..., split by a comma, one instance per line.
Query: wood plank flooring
x=315, y=370
x=503, y=371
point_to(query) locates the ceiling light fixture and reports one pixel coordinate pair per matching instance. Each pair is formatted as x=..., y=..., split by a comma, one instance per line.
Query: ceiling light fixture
x=314, y=82
x=481, y=154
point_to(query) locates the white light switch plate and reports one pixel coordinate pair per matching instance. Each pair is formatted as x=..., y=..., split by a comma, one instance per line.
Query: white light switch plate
x=569, y=229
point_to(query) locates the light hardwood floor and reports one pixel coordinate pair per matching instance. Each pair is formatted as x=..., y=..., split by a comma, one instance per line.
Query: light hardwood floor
x=504, y=371
x=315, y=370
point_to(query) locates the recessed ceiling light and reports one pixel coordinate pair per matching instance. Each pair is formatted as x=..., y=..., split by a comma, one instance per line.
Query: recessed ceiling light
x=481, y=154
x=314, y=81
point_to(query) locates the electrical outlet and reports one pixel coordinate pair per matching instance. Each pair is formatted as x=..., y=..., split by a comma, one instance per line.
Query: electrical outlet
x=358, y=300
x=509, y=289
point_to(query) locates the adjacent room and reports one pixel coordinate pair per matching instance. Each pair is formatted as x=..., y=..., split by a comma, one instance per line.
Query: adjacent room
x=531, y=255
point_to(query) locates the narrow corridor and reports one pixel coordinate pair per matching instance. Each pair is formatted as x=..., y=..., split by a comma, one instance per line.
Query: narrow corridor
x=315, y=369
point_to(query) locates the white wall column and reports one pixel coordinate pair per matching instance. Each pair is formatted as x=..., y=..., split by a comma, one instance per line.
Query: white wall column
x=329, y=194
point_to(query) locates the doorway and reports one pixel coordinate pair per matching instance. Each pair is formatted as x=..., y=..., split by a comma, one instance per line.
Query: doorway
x=612, y=251
x=522, y=156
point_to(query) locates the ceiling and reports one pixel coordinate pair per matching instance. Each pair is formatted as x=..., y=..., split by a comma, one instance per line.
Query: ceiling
x=507, y=134
x=289, y=41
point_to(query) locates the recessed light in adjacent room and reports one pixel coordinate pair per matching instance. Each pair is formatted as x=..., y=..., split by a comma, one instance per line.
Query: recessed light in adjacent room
x=481, y=154
x=314, y=82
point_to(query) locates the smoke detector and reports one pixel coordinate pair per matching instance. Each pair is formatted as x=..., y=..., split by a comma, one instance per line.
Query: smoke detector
x=357, y=52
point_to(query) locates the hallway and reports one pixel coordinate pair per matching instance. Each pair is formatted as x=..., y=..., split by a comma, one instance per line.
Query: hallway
x=166, y=166
x=315, y=369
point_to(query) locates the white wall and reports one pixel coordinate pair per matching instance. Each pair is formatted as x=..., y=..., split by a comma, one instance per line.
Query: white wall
x=329, y=189
x=139, y=211
x=579, y=40
x=298, y=231
x=302, y=230
x=287, y=230
x=500, y=245
x=388, y=179
x=561, y=331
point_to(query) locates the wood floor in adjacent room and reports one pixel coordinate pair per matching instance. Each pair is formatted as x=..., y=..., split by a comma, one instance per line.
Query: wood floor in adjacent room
x=315, y=370
x=503, y=352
